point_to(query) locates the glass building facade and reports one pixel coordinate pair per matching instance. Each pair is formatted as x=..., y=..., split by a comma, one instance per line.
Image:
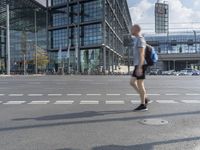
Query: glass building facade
x=27, y=29
x=177, y=50
x=87, y=34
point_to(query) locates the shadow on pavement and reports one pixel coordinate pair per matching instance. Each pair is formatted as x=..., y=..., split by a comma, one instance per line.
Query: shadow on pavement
x=98, y=121
x=146, y=146
x=85, y=114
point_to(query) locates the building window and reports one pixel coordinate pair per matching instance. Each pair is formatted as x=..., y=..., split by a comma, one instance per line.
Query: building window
x=59, y=17
x=59, y=38
x=91, y=34
x=91, y=11
x=58, y=2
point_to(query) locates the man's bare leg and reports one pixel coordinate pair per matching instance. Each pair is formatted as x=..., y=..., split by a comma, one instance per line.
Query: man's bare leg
x=142, y=90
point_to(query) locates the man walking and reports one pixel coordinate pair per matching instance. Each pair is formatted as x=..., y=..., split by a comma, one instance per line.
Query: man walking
x=138, y=76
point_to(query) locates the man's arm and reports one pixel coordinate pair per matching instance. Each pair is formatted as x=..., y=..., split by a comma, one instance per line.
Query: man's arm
x=142, y=55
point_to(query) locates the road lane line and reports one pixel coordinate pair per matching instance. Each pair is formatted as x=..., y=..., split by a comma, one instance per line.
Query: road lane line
x=35, y=94
x=93, y=94
x=153, y=94
x=191, y=101
x=192, y=94
x=113, y=94
x=39, y=102
x=115, y=102
x=135, y=102
x=64, y=102
x=74, y=94
x=34, y=83
x=12, y=95
x=14, y=102
x=166, y=101
x=89, y=102
x=2, y=94
x=54, y=94
x=172, y=94
x=132, y=94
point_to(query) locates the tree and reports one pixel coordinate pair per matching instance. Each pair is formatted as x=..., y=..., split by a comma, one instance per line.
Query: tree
x=42, y=58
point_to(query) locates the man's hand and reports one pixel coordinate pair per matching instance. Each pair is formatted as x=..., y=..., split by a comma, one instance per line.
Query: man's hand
x=139, y=71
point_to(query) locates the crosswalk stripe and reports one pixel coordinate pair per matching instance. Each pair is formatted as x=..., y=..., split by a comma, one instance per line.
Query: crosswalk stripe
x=191, y=101
x=113, y=94
x=14, y=102
x=15, y=95
x=74, y=94
x=35, y=94
x=172, y=94
x=153, y=94
x=89, y=102
x=115, y=102
x=132, y=94
x=192, y=94
x=166, y=101
x=135, y=102
x=93, y=94
x=39, y=102
x=54, y=94
x=64, y=102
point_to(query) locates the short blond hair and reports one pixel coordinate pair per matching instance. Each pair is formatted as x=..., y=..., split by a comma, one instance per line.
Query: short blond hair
x=137, y=26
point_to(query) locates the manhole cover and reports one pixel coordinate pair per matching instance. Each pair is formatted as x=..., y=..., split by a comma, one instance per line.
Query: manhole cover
x=154, y=122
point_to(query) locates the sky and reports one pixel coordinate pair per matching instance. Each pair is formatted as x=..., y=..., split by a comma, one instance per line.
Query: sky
x=183, y=14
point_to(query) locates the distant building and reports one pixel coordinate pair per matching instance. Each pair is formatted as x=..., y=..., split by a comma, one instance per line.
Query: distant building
x=92, y=31
x=161, y=17
x=177, y=50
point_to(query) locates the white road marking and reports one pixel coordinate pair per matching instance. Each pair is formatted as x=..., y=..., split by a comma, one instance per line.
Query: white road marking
x=16, y=95
x=85, y=80
x=135, y=102
x=93, y=94
x=113, y=94
x=74, y=94
x=35, y=94
x=14, y=102
x=192, y=94
x=64, y=102
x=54, y=94
x=166, y=101
x=0, y=102
x=191, y=101
x=172, y=94
x=2, y=94
x=34, y=83
x=115, y=102
x=89, y=102
x=153, y=94
x=39, y=102
x=132, y=94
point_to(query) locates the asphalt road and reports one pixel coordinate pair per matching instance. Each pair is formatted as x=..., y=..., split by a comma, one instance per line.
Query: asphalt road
x=95, y=113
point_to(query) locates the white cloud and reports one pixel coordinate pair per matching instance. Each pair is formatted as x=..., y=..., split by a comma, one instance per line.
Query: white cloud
x=143, y=12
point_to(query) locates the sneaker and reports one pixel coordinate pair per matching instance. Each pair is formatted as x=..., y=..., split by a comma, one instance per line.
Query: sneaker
x=142, y=107
x=148, y=101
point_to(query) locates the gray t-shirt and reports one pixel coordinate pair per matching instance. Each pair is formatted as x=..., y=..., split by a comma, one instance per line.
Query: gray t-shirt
x=139, y=42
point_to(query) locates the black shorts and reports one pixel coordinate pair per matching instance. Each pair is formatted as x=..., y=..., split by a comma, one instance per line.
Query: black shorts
x=142, y=77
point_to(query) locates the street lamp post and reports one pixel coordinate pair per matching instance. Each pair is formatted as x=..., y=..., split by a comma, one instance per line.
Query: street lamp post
x=35, y=26
x=8, y=37
x=76, y=48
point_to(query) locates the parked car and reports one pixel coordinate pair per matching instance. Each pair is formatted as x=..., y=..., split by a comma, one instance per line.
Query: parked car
x=187, y=71
x=169, y=72
x=155, y=71
x=196, y=72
